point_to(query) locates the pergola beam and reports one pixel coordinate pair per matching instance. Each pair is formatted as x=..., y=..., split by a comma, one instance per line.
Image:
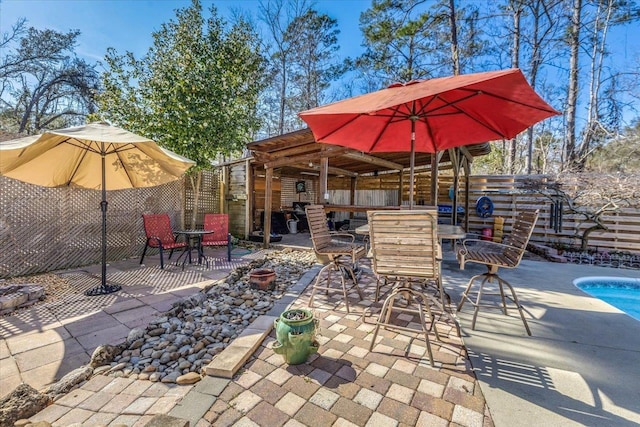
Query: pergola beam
x=286, y=161
x=366, y=158
x=332, y=170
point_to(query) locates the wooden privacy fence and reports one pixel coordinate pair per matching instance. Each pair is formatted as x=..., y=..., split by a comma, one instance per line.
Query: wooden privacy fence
x=45, y=229
x=509, y=194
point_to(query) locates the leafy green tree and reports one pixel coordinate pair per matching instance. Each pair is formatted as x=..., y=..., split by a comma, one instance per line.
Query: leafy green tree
x=43, y=84
x=314, y=43
x=407, y=40
x=397, y=40
x=195, y=91
x=277, y=16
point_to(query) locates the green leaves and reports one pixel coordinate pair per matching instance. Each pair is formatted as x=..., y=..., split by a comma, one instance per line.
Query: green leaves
x=196, y=89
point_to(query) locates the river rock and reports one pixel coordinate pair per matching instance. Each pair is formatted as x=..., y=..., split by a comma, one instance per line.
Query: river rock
x=69, y=381
x=189, y=378
x=104, y=354
x=200, y=326
x=135, y=334
x=23, y=402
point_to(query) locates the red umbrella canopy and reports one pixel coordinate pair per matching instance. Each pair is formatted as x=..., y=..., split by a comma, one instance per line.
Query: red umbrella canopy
x=444, y=113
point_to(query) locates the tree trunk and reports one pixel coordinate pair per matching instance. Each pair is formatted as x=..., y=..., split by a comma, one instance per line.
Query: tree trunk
x=195, y=186
x=454, y=38
x=283, y=96
x=598, y=52
x=584, y=239
x=515, y=63
x=572, y=95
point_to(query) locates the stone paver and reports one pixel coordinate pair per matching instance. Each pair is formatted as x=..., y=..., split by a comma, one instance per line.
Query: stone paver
x=344, y=385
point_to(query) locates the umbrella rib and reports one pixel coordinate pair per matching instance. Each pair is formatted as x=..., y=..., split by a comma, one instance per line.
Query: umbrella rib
x=424, y=106
x=454, y=104
x=73, y=174
x=446, y=103
x=386, y=125
x=503, y=98
x=116, y=150
x=320, y=138
x=126, y=171
x=81, y=145
x=480, y=122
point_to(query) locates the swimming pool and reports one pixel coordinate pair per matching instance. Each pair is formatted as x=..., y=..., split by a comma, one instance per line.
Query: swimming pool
x=621, y=292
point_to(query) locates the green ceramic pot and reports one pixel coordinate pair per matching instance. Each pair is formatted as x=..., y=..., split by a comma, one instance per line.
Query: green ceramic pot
x=295, y=334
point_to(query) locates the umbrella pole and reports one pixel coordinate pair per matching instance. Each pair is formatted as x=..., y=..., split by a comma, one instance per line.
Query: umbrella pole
x=104, y=288
x=412, y=161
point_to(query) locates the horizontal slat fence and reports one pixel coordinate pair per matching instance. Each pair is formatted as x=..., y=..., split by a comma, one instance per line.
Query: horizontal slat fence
x=509, y=194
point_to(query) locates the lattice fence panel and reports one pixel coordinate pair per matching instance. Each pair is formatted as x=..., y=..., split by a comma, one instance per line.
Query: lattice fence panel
x=45, y=229
x=209, y=199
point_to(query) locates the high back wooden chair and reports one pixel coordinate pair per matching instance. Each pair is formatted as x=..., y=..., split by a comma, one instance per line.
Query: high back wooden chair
x=496, y=256
x=219, y=224
x=342, y=255
x=405, y=253
x=160, y=235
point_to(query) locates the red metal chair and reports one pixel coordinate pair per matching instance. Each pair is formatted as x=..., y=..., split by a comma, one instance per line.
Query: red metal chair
x=159, y=235
x=219, y=224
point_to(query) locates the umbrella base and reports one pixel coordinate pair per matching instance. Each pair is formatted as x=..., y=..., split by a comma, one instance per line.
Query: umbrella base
x=103, y=290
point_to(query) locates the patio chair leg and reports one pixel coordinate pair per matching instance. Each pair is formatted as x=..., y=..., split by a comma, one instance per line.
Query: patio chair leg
x=384, y=319
x=344, y=293
x=354, y=280
x=426, y=333
x=477, y=304
x=489, y=277
x=383, y=312
x=144, y=251
x=502, y=296
x=317, y=282
x=466, y=291
x=515, y=300
x=161, y=260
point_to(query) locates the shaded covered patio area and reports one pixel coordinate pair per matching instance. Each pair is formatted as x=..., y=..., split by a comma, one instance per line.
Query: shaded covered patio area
x=293, y=169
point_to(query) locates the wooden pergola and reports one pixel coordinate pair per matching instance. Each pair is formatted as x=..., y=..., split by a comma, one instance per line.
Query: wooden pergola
x=298, y=151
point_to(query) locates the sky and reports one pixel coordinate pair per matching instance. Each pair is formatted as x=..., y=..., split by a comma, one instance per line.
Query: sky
x=127, y=25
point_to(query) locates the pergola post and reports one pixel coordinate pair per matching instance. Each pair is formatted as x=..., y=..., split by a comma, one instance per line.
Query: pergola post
x=268, y=197
x=324, y=176
x=352, y=194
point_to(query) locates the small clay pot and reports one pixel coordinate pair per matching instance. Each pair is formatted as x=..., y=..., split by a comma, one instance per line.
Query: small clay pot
x=263, y=279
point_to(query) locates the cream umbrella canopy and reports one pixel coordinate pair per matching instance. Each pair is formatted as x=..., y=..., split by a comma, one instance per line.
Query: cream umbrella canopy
x=95, y=156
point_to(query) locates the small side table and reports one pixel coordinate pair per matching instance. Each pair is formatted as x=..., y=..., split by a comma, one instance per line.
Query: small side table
x=191, y=236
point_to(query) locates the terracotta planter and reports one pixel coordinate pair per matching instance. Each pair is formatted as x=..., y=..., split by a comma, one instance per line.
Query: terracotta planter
x=263, y=279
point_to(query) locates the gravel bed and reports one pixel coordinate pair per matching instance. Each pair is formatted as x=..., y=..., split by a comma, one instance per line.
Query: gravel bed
x=186, y=338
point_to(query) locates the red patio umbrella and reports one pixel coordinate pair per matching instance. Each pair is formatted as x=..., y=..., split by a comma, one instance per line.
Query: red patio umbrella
x=431, y=115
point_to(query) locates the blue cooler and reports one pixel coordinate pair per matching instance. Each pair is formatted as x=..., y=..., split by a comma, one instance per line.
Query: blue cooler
x=445, y=211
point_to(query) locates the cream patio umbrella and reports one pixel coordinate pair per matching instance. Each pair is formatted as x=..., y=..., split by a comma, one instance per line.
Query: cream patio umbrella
x=95, y=156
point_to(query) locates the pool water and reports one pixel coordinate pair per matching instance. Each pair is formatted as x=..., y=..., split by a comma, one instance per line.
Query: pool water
x=621, y=292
